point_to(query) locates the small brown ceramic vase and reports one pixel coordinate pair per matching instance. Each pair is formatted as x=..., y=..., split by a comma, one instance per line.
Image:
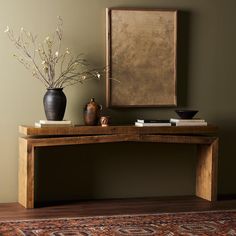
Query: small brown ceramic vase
x=104, y=121
x=92, y=113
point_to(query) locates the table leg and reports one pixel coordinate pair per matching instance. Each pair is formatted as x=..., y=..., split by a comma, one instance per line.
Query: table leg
x=26, y=174
x=206, y=172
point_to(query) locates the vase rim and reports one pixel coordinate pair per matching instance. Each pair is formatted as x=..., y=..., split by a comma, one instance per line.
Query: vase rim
x=54, y=88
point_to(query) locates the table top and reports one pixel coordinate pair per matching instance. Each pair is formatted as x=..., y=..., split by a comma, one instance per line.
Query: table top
x=117, y=129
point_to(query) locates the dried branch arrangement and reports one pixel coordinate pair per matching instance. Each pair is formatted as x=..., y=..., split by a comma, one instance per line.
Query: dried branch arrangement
x=47, y=62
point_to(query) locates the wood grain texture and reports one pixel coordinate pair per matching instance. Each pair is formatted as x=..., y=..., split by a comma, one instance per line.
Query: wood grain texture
x=176, y=139
x=22, y=172
x=206, y=184
x=59, y=141
x=206, y=171
x=55, y=141
x=14, y=211
x=117, y=129
x=26, y=174
x=108, y=58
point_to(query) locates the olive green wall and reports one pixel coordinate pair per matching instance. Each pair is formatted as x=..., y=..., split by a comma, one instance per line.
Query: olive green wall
x=206, y=81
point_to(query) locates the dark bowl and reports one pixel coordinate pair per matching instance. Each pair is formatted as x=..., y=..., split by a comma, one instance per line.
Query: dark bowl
x=186, y=114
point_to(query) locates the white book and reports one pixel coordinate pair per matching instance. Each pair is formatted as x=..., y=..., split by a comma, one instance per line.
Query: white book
x=191, y=124
x=174, y=120
x=55, y=122
x=39, y=125
x=153, y=121
x=138, y=124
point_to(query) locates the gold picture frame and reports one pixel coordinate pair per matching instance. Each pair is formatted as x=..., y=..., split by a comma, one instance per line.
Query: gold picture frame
x=141, y=55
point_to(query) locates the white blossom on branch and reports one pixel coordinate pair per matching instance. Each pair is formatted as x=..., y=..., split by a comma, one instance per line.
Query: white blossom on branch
x=54, y=67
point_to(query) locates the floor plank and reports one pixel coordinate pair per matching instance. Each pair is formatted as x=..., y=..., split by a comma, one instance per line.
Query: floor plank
x=14, y=211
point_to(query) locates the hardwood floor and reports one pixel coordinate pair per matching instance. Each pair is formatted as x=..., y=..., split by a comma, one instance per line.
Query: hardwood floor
x=14, y=211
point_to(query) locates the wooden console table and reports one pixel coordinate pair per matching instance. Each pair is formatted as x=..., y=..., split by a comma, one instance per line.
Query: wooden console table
x=204, y=137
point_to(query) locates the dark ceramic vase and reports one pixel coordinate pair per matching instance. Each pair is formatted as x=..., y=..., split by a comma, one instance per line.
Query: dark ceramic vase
x=54, y=102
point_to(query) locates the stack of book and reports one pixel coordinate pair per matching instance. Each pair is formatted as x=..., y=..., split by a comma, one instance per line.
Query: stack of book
x=52, y=123
x=151, y=123
x=190, y=122
x=171, y=122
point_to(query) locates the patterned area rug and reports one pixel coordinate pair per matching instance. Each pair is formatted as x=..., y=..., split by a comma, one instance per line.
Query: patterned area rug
x=221, y=223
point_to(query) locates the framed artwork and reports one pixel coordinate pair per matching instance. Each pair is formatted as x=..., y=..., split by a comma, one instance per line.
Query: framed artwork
x=141, y=57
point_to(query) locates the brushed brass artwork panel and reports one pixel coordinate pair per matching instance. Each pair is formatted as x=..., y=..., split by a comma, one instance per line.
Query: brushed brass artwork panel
x=141, y=55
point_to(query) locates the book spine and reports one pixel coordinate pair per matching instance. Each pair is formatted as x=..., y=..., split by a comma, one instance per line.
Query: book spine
x=185, y=121
x=191, y=124
x=152, y=124
x=38, y=125
x=140, y=121
x=52, y=122
x=138, y=124
x=153, y=121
